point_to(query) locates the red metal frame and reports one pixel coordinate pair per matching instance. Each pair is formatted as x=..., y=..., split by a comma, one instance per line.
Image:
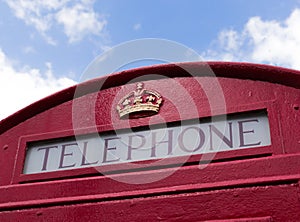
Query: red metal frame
x=19, y=177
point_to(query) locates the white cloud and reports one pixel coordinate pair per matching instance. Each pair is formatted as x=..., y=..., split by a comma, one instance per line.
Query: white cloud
x=80, y=20
x=230, y=40
x=137, y=26
x=263, y=41
x=77, y=17
x=28, y=50
x=19, y=88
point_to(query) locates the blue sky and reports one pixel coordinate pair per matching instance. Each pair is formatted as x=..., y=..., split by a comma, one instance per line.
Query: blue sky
x=45, y=45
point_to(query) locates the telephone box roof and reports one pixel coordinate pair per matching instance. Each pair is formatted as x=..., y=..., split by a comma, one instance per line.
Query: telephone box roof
x=236, y=70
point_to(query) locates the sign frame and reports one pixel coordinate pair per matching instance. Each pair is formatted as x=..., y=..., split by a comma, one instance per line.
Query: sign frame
x=274, y=148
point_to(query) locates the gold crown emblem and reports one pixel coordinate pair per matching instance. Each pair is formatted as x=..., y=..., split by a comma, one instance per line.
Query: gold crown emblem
x=139, y=103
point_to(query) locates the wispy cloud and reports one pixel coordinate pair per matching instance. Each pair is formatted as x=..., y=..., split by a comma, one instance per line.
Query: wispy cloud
x=77, y=17
x=263, y=41
x=21, y=87
x=137, y=26
x=28, y=50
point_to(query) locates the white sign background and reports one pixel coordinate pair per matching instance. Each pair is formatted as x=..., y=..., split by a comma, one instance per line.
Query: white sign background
x=237, y=132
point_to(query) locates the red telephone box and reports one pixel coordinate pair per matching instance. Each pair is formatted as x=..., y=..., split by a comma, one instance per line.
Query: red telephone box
x=172, y=146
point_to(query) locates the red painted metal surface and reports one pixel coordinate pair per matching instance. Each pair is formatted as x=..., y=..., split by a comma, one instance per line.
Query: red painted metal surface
x=260, y=184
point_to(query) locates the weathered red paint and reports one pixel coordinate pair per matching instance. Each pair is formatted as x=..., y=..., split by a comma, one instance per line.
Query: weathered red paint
x=260, y=184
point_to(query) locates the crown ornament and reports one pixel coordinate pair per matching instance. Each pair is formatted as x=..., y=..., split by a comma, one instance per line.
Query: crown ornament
x=139, y=103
